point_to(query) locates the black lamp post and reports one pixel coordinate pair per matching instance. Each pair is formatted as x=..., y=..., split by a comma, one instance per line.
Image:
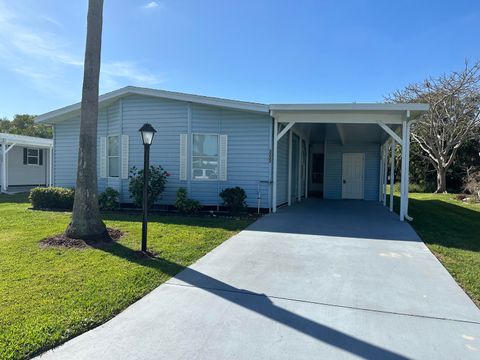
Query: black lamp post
x=148, y=133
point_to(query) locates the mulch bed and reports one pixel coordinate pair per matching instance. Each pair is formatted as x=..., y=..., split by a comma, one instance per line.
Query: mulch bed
x=61, y=240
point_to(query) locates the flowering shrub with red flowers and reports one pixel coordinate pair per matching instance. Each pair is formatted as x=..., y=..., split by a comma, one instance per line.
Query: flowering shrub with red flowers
x=157, y=178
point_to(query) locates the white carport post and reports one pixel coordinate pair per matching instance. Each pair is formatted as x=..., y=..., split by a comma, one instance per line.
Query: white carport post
x=274, y=160
x=276, y=138
x=385, y=173
x=50, y=163
x=289, y=191
x=307, y=163
x=392, y=173
x=405, y=170
x=4, y=166
x=299, y=177
x=380, y=186
x=5, y=151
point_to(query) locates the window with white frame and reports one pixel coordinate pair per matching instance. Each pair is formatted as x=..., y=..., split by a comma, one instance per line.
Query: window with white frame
x=33, y=157
x=205, y=157
x=113, y=156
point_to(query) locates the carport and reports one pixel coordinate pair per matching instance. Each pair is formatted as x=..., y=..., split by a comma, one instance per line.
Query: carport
x=9, y=142
x=359, y=143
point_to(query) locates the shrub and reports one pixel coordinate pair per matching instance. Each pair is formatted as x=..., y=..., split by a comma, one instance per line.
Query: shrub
x=109, y=199
x=413, y=188
x=156, y=184
x=234, y=199
x=472, y=184
x=186, y=205
x=52, y=198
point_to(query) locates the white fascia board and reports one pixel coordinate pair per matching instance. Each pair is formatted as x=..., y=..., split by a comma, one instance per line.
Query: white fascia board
x=71, y=110
x=341, y=117
x=26, y=140
x=351, y=107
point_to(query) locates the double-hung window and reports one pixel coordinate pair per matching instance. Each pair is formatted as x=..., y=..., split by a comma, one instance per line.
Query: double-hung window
x=205, y=157
x=33, y=156
x=113, y=156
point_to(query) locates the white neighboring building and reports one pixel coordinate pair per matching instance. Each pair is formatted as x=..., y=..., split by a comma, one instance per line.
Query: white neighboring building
x=25, y=161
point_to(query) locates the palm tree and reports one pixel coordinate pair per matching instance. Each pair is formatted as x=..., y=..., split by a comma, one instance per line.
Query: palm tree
x=86, y=221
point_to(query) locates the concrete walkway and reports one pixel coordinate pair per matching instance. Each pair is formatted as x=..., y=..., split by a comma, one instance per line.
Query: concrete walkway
x=318, y=280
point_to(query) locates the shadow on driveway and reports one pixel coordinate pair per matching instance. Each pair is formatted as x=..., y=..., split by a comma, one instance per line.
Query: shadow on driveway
x=261, y=305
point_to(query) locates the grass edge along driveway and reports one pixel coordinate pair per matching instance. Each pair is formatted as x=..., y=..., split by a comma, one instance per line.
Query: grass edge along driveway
x=49, y=295
x=451, y=230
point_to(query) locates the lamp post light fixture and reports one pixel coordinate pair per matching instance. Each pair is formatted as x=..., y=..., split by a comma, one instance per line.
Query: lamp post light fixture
x=148, y=133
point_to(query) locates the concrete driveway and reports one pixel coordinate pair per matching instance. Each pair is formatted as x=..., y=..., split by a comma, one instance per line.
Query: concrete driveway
x=318, y=280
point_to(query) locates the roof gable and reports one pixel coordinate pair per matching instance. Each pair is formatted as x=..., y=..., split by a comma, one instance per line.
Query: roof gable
x=108, y=98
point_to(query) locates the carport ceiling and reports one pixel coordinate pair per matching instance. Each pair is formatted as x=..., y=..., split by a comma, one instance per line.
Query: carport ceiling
x=352, y=133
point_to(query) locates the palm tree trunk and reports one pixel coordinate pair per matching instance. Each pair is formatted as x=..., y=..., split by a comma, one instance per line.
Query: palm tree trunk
x=86, y=221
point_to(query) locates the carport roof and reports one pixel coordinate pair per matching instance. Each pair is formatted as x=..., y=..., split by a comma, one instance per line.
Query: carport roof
x=25, y=140
x=368, y=107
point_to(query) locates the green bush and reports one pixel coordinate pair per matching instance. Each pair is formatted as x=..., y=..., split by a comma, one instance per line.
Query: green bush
x=186, y=205
x=156, y=184
x=109, y=199
x=52, y=198
x=234, y=199
x=413, y=188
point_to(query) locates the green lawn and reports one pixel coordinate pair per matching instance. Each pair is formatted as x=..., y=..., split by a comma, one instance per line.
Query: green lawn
x=451, y=229
x=50, y=295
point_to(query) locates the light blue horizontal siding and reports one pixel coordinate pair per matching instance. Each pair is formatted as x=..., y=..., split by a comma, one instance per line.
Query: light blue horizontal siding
x=333, y=168
x=65, y=152
x=248, y=146
x=169, y=118
x=248, y=154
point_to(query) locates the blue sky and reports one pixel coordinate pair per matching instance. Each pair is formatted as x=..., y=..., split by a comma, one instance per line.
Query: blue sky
x=268, y=51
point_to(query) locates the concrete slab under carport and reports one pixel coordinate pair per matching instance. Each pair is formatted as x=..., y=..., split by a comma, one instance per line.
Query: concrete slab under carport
x=299, y=284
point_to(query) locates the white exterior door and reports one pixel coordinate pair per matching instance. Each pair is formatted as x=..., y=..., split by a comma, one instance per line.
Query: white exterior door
x=352, y=175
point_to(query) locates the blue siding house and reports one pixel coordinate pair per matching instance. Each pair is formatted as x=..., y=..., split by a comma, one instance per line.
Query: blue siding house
x=279, y=154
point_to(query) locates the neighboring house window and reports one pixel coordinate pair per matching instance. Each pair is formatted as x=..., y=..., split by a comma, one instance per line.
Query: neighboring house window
x=113, y=156
x=32, y=156
x=205, y=157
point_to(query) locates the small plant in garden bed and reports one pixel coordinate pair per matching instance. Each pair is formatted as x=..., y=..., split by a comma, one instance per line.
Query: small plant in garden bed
x=109, y=199
x=156, y=184
x=234, y=199
x=186, y=205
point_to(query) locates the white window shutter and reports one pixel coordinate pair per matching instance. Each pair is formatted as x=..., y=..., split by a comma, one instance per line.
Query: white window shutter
x=124, y=156
x=222, y=168
x=183, y=157
x=103, y=157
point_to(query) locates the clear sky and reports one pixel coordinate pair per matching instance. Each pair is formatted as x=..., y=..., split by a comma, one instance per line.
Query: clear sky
x=258, y=50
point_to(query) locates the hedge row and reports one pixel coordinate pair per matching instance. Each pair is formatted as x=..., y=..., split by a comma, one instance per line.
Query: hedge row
x=52, y=198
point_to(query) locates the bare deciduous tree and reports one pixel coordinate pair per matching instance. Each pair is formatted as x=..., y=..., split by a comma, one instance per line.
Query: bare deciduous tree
x=86, y=221
x=453, y=118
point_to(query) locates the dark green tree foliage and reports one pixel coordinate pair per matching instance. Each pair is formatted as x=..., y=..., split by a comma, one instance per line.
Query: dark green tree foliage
x=423, y=173
x=156, y=184
x=24, y=124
